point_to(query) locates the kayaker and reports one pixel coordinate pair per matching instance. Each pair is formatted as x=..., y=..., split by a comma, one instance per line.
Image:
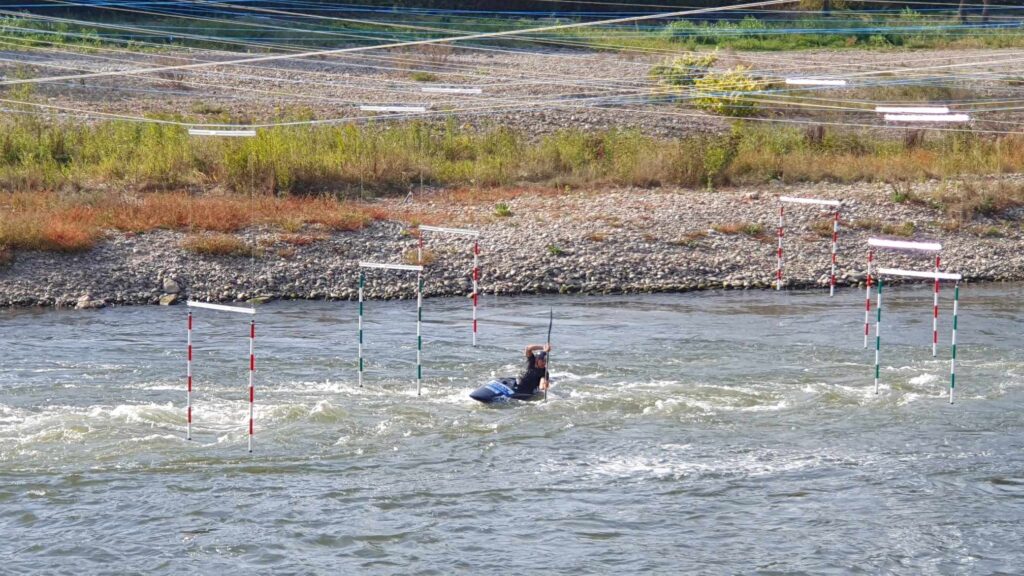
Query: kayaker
x=536, y=374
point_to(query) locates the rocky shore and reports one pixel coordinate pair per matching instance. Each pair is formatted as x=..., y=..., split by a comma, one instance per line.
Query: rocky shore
x=623, y=240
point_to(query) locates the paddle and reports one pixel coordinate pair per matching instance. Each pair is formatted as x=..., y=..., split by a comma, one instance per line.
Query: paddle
x=551, y=320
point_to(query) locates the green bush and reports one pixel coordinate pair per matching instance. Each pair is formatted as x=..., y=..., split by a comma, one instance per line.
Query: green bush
x=684, y=70
x=727, y=93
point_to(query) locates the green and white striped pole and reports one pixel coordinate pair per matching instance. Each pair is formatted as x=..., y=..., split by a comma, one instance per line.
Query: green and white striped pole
x=419, y=313
x=419, y=334
x=952, y=362
x=878, y=336
x=362, y=282
x=931, y=275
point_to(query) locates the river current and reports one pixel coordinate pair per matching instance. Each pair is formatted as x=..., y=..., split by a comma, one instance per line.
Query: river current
x=705, y=433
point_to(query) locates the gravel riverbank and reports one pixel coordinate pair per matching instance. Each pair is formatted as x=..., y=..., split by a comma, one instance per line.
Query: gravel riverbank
x=532, y=92
x=622, y=240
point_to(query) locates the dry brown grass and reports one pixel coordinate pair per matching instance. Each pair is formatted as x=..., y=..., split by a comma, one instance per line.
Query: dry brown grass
x=963, y=201
x=216, y=244
x=823, y=227
x=36, y=226
x=411, y=257
x=868, y=224
x=596, y=236
x=690, y=238
x=748, y=228
x=905, y=229
x=75, y=222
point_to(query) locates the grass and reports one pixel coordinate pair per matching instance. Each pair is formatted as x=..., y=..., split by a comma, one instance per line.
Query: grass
x=966, y=200
x=690, y=238
x=901, y=192
x=65, y=184
x=866, y=224
x=841, y=30
x=905, y=229
x=67, y=229
x=823, y=228
x=354, y=161
x=596, y=236
x=74, y=222
x=749, y=228
x=991, y=232
x=216, y=244
x=413, y=257
x=420, y=76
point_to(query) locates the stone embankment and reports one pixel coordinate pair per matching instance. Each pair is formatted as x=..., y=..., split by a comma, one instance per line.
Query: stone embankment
x=626, y=240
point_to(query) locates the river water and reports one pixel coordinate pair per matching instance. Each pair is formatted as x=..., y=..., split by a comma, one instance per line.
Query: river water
x=716, y=433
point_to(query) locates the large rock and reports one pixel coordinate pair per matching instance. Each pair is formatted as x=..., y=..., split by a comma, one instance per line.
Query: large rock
x=86, y=302
x=171, y=287
x=168, y=299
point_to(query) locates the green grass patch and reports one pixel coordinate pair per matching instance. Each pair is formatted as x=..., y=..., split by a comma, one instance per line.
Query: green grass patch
x=420, y=76
x=352, y=161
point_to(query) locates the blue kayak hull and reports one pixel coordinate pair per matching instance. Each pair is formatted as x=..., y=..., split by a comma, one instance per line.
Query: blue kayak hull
x=501, y=390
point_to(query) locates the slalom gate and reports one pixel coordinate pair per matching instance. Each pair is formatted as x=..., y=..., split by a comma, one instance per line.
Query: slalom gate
x=911, y=246
x=476, y=261
x=781, y=233
x=937, y=276
x=419, y=313
x=252, y=360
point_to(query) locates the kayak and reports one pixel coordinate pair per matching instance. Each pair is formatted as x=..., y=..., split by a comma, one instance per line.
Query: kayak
x=502, y=389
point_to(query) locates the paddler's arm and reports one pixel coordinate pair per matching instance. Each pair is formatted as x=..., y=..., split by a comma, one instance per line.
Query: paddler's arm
x=544, y=381
x=533, y=348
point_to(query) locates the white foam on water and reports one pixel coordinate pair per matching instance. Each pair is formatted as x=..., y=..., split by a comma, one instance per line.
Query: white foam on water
x=780, y=405
x=923, y=379
x=157, y=438
x=859, y=395
x=321, y=407
x=572, y=377
x=910, y=397
x=681, y=461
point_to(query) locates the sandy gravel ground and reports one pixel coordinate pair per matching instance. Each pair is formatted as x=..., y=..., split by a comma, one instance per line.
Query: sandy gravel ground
x=533, y=92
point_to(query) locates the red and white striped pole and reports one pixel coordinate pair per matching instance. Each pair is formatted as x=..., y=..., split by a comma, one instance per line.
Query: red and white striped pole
x=252, y=371
x=476, y=280
x=935, y=310
x=835, y=243
x=778, y=271
x=475, y=273
x=867, y=299
x=188, y=377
